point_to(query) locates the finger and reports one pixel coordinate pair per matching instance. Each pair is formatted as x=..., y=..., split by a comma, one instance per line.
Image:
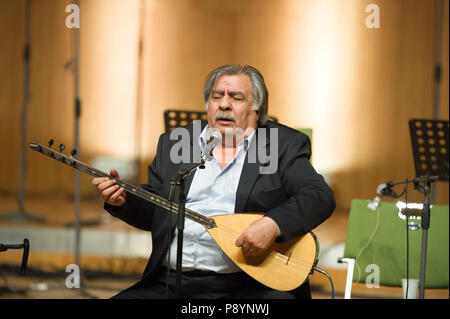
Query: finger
x=105, y=185
x=114, y=172
x=98, y=180
x=109, y=191
x=117, y=194
x=250, y=251
x=253, y=251
x=239, y=241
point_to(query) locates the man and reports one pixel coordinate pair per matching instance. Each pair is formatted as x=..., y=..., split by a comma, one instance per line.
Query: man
x=294, y=198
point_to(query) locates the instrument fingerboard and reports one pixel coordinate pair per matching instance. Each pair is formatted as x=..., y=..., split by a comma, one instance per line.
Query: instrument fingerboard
x=136, y=190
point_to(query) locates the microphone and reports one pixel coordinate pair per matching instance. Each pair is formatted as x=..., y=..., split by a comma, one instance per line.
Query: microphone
x=385, y=190
x=214, y=140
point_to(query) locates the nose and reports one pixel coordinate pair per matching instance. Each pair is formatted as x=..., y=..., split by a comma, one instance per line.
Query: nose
x=224, y=103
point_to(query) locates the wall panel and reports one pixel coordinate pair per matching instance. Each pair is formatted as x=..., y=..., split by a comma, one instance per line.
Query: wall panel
x=356, y=87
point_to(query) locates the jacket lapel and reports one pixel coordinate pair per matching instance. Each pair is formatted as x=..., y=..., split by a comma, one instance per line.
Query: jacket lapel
x=250, y=171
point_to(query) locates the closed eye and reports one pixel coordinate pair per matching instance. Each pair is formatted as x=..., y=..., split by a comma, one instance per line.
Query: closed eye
x=237, y=96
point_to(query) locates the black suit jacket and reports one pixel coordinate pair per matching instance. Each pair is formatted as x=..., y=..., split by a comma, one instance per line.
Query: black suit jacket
x=296, y=197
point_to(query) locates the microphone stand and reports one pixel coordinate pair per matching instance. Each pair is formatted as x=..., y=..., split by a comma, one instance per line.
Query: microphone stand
x=423, y=185
x=179, y=180
x=22, y=214
x=425, y=221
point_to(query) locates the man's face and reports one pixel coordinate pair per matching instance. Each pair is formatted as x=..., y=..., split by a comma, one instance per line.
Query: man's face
x=231, y=104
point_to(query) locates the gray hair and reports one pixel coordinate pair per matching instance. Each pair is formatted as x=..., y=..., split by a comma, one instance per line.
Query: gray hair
x=259, y=89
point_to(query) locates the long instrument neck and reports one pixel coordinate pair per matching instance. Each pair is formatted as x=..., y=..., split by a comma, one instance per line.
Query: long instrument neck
x=136, y=190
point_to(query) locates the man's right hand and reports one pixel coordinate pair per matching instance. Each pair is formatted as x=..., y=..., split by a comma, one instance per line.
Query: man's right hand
x=111, y=192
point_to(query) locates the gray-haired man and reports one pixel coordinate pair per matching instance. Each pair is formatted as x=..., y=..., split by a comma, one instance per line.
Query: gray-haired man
x=295, y=198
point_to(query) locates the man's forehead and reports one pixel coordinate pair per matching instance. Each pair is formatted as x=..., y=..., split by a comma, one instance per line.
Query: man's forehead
x=232, y=83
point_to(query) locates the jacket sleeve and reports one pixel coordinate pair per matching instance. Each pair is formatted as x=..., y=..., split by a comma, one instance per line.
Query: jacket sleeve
x=136, y=211
x=310, y=200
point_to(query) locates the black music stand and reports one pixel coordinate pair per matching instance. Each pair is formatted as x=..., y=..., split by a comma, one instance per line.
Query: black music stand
x=429, y=140
x=176, y=118
x=430, y=146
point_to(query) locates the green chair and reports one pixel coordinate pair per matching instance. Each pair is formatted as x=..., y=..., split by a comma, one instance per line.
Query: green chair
x=376, y=241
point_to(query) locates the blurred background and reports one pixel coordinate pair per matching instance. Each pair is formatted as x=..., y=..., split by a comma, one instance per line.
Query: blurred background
x=327, y=64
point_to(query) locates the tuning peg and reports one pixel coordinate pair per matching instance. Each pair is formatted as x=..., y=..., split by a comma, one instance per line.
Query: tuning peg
x=73, y=152
x=61, y=147
x=50, y=143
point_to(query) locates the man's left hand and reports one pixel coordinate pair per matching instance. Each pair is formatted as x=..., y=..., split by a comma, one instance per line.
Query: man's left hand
x=258, y=237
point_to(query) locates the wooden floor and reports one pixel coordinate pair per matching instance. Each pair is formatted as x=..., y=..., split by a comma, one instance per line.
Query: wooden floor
x=116, y=274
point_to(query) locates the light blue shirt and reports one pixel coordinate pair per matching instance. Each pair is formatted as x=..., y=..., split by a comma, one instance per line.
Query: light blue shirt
x=212, y=192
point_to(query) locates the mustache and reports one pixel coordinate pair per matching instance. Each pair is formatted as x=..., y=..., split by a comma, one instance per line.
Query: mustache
x=222, y=115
